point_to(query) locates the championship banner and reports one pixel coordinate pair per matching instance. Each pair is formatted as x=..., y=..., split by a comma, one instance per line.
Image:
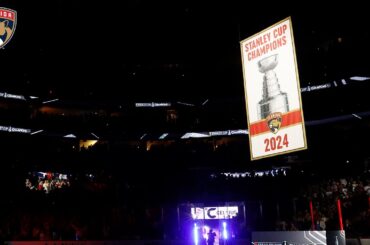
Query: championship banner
x=272, y=92
x=8, y=22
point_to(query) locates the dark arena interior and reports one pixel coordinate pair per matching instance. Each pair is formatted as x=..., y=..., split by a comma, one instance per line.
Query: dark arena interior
x=122, y=121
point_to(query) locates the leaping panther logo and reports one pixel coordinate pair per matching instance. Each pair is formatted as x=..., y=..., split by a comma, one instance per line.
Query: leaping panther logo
x=8, y=22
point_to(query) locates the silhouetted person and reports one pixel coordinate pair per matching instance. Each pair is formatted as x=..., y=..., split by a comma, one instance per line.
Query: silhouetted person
x=211, y=237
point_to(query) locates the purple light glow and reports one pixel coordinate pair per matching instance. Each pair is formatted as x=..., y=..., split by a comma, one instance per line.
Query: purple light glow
x=195, y=233
x=224, y=232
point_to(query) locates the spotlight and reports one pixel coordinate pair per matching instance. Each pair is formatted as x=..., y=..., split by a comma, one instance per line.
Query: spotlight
x=195, y=233
x=224, y=232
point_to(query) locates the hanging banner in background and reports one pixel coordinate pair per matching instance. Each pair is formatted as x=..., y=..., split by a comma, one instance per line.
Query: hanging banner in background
x=272, y=92
x=8, y=22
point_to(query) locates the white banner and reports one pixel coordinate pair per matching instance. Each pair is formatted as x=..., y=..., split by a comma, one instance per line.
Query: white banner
x=272, y=92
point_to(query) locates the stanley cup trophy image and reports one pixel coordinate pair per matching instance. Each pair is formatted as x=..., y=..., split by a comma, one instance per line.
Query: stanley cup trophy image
x=273, y=99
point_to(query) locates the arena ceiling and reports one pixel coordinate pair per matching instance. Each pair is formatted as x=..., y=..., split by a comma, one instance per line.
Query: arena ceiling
x=111, y=55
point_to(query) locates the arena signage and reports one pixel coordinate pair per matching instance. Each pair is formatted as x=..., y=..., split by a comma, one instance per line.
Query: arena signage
x=214, y=212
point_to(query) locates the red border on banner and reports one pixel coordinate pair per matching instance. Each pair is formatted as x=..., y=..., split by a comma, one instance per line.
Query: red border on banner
x=288, y=119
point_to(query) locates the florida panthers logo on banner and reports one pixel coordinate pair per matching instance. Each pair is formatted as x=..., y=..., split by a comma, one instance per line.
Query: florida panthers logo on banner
x=8, y=22
x=274, y=122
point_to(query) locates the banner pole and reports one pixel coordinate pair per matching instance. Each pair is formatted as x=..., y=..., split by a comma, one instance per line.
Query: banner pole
x=312, y=218
x=340, y=215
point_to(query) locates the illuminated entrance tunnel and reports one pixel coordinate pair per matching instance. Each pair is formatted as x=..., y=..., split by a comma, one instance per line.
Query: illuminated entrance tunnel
x=211, y=224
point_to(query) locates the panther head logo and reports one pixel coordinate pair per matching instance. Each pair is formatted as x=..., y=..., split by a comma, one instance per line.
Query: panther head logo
x=274, y=121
